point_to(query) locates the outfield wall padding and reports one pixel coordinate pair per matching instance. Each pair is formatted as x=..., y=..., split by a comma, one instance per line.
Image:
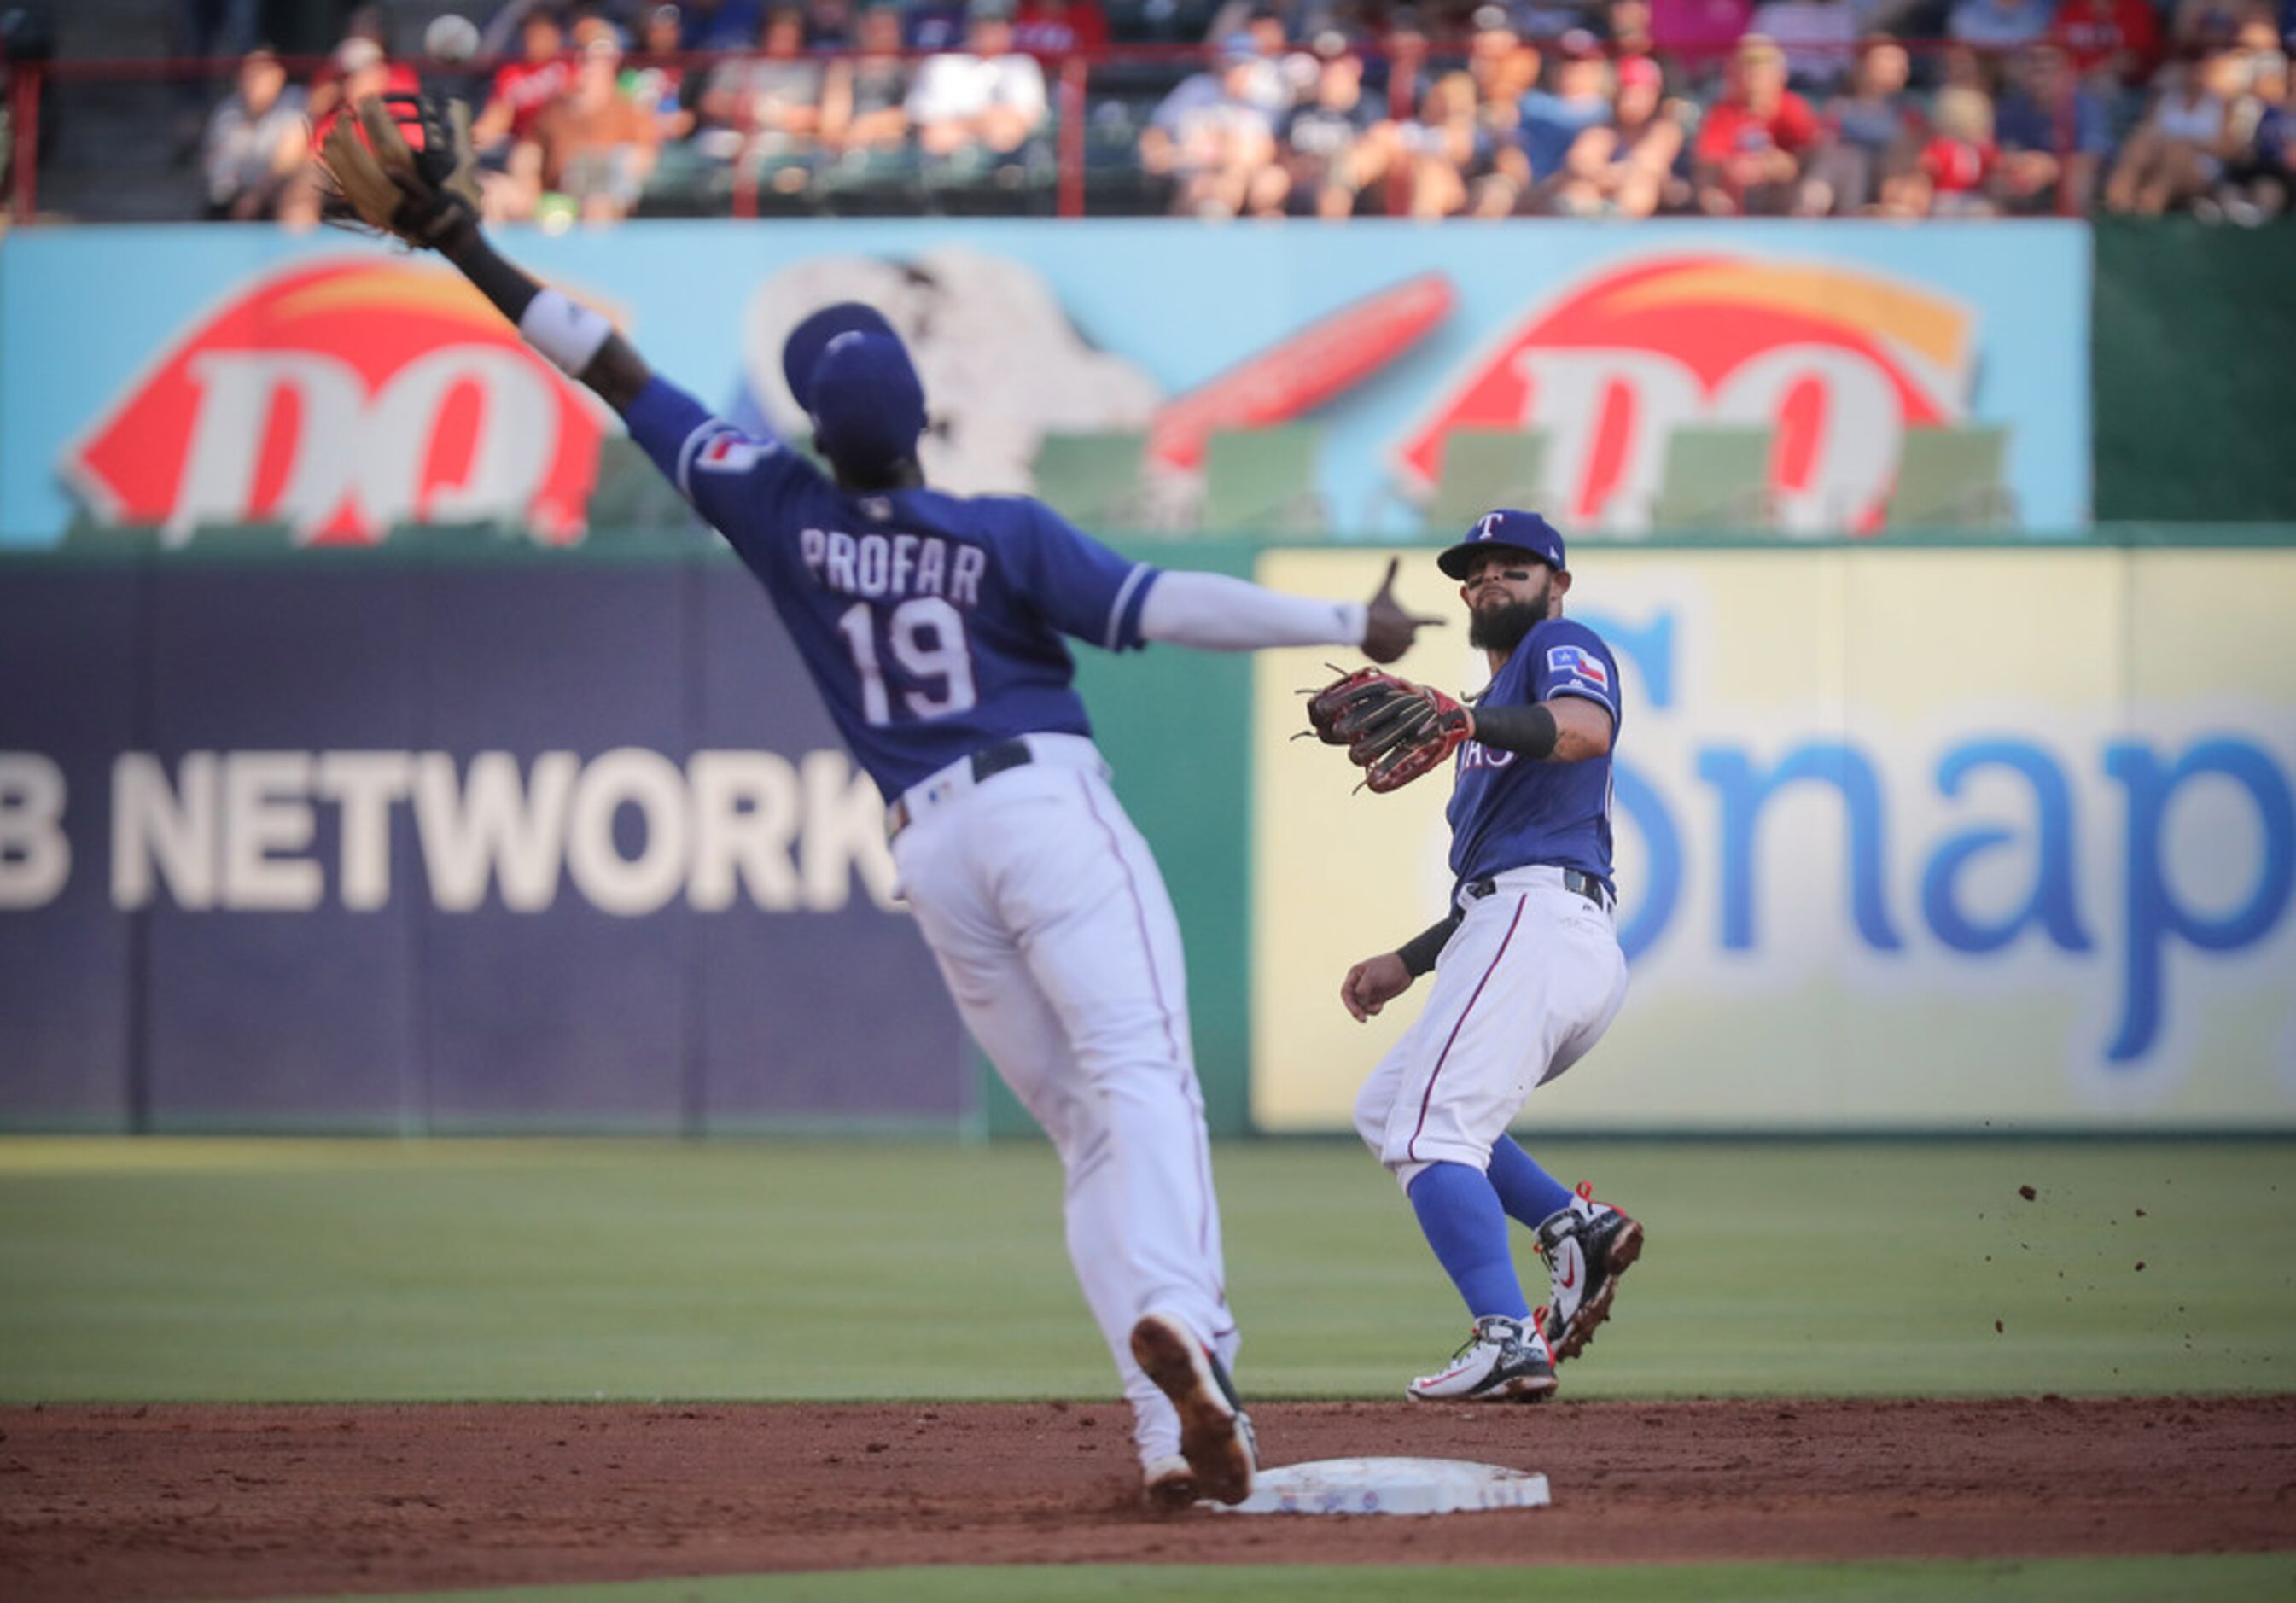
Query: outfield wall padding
x=196, y=933
x=219, y=952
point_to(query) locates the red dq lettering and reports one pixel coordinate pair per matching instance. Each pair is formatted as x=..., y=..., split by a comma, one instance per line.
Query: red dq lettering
x=343, y=400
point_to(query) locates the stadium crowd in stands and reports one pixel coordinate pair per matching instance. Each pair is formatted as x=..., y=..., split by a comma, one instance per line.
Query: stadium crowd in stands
x=1327, y=108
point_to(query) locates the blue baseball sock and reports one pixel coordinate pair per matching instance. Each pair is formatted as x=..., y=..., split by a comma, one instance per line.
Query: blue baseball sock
x=1460, y=1215
x=1529, y=1195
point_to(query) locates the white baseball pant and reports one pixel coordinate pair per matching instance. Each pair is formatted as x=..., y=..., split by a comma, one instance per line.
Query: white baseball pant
x=1529, y=982
x=1057, y=939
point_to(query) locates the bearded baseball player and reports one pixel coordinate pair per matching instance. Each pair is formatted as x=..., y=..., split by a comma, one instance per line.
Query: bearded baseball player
x=1528, y=970
x=933, y=628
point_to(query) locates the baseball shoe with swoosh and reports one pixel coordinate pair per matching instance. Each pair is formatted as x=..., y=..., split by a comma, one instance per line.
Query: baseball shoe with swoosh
x=1216, y=1437
x=1504, y=1360
x=1587, y=1247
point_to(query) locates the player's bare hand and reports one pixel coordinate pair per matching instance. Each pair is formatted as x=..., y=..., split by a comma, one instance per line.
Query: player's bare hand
x=1388, y=630
x=1373, y=983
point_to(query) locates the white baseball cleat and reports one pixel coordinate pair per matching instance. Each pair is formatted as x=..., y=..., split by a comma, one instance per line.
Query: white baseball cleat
x=1167, y=1483
x=1504, y=1360
x=1588, y=1247
x=1215, y=1433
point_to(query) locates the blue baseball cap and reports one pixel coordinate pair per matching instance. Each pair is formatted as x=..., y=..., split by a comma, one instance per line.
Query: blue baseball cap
x=847, y=368
x=868, y=404
x=810, y=338
x=1504, y=530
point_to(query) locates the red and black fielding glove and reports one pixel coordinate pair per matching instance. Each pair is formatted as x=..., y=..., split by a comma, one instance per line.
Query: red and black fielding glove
x=1394, y=730
x=401, y=165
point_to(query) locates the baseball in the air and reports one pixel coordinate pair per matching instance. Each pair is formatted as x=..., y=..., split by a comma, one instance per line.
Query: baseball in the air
x=451, y=38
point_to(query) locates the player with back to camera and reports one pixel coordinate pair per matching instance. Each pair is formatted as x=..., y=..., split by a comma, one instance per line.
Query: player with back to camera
x=932, y=626
x=1528, y=970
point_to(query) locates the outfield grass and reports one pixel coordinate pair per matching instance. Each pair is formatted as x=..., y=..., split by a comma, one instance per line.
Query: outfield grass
x=199, y=1269
x=2228, y=1576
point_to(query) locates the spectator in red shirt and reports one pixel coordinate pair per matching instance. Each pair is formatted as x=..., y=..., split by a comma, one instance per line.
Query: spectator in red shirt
x=2119, y=36
x=357, y=70
x=1755, y=139
x=1059, y=28
x=1956, y=166
x=524, y=87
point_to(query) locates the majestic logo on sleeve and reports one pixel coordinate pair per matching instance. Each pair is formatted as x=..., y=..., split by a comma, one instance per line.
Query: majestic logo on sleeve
x=340, y=399
x=1837, y=361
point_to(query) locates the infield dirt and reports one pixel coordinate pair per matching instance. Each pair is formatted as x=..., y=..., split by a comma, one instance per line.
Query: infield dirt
x=171, y=1501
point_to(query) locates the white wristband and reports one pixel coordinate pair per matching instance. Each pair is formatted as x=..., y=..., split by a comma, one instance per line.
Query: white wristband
x=569, y=334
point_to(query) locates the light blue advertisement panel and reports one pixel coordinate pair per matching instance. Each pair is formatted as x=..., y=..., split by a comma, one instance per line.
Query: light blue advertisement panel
x=185, y=376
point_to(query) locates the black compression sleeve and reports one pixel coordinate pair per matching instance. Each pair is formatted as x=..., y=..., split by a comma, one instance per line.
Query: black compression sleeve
x=1419, y=953
x=1529, y=730
x=510, y=288
x=616, y=372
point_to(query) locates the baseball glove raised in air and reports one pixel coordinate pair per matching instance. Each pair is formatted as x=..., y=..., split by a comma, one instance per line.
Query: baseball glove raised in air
x=1393, y=729
x=401, y=164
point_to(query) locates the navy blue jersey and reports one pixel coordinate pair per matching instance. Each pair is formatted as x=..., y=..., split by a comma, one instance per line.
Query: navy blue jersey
x=933, y=624
x=1508, y=810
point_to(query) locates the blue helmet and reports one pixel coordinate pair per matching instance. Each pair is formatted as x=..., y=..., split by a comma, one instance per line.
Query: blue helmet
x=847, y=368
x=1505, y=529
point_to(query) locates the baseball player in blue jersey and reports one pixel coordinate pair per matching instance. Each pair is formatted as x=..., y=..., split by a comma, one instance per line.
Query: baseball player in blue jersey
x=934, y=626
x=1528, y=970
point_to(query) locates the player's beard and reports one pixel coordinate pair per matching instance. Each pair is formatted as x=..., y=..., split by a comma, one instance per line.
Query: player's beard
x=1502, y=629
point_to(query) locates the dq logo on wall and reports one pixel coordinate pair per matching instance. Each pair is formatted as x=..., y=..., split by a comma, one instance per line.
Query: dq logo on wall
x=1838, y=362
x=341, y=399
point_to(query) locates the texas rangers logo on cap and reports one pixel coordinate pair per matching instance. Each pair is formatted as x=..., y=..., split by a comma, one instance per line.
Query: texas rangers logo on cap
x=1505, y=528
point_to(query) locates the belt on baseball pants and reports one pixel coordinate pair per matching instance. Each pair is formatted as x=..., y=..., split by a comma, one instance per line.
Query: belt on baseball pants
x=990, y=760
x=1584, y=884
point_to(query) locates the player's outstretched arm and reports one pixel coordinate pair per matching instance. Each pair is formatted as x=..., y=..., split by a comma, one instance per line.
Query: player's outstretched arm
x=1212, y=612
x=1389, y=631
x=422, y=194
x=580, y=341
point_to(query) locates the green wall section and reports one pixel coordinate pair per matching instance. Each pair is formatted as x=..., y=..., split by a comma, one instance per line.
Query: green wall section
x=2194, y=332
